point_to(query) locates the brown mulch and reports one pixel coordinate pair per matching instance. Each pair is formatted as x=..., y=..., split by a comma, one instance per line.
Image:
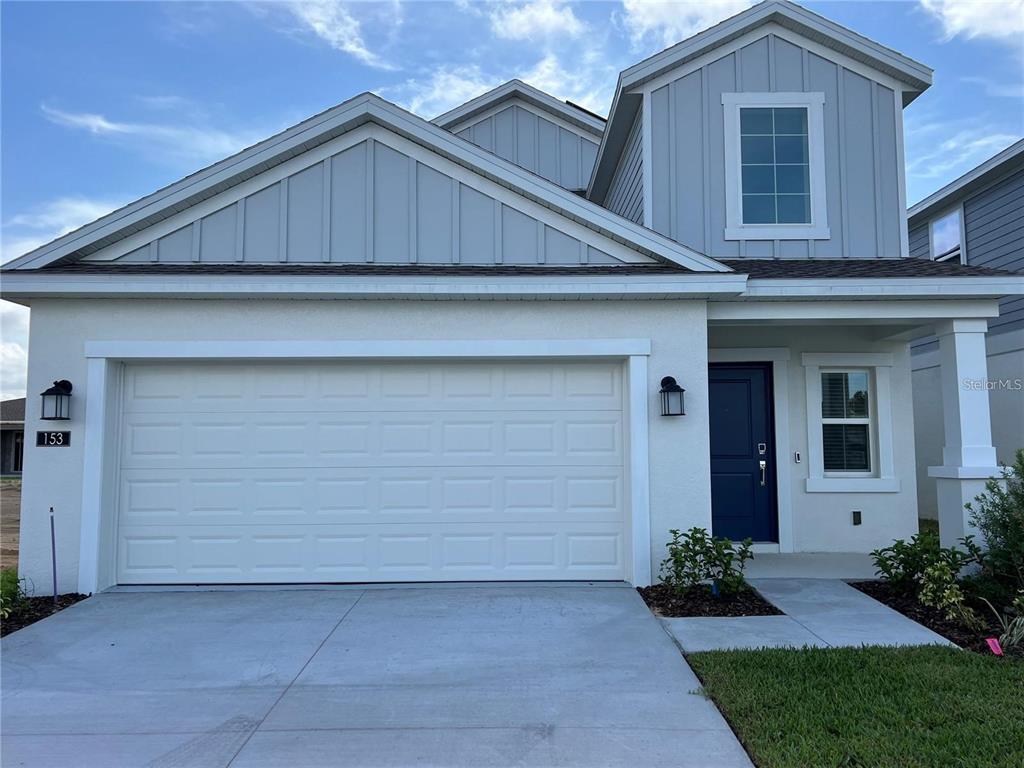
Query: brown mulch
x=698, y=601
x=933, y=618
x=32, y=609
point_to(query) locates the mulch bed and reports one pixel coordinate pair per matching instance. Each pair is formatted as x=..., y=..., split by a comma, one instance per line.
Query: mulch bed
x=32, y=609
x=932, y=618
x=698, y=601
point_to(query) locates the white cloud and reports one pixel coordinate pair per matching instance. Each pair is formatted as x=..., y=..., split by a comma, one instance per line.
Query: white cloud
x=182, y=141
x=536, y=19
x=998, y=19
x=939, y=151
x=589, y=82
x=662, y=24
x=333, y=22
x=13, y=350
x=28, y=230
x=22, y=233
x=995, y=89
x=445, y=88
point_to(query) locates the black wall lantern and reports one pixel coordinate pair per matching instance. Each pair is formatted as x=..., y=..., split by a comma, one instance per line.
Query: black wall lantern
x=672, y=398
x=57, y=401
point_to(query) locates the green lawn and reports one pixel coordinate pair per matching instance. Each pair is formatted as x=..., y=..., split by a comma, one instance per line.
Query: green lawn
x=906, y=707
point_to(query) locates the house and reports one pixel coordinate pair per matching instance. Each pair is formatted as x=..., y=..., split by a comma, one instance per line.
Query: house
x=377, y=348
x=12, y=436
x=978, y=220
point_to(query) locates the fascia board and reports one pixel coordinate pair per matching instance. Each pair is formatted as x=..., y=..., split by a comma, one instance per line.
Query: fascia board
x=934, y=287
x=25, y=286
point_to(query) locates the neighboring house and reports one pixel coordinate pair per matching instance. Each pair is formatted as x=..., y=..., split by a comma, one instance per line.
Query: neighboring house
x=977, y=220
x=12, y=436
x=371, y=349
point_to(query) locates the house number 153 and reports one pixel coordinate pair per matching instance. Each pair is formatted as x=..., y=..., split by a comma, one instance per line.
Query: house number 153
x=53, y=439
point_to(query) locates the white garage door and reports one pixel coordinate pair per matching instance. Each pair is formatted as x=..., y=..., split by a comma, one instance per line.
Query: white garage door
x=316, y=472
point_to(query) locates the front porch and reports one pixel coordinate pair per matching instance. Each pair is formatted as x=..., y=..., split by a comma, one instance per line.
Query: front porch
x=828, y=469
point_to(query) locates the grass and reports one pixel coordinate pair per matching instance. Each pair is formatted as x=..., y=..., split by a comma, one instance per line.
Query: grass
x=906, y=707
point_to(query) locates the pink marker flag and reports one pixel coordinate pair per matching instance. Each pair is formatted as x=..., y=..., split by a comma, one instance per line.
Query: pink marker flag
x=994, y=646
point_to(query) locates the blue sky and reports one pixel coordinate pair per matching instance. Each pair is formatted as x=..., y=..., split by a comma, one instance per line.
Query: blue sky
x=105, y=102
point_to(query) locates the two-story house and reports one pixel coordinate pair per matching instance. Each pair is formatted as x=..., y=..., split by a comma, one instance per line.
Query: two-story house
x=377, y=348
x=977, y=219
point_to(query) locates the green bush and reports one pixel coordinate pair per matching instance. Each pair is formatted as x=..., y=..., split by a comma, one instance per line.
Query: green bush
x=904, y=563
x=697, y=557
x=999, y=515
x=11, y=593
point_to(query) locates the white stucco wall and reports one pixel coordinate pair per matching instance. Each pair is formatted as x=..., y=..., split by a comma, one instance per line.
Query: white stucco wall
x=1006, y=403
x=822, y=522
x=679, y=447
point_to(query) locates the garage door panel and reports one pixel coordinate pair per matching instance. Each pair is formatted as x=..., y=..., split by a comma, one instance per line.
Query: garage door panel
x=370, y=495
x=292, y=472
x=195, y=440
x=360, y=386
x=180, y=555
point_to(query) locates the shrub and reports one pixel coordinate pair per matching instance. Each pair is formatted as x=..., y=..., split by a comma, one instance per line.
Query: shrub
x=904, y=563
x=999, y=515
x=1012, y=622
x=11, y=593
x=939, y=588
x=697, y=557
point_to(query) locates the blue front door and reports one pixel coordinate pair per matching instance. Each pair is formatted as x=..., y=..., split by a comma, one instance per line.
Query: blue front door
x=742, y=452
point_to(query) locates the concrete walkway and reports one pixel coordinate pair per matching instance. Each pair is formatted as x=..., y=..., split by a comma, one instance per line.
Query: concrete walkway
x=820, y=613
x=452, y=676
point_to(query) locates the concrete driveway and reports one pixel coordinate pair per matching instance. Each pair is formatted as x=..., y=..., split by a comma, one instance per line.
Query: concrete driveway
x=460, y=675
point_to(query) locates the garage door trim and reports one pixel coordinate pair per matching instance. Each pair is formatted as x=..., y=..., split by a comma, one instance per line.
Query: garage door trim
x=97, y=554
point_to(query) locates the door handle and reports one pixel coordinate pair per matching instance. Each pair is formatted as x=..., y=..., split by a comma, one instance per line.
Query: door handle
x=764, y=470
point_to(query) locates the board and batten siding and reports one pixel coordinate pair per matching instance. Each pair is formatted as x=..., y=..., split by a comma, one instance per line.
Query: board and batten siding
x=862, y=176
x=626, y=191
x=369, y=203
x=533, y=142
x=994, y=237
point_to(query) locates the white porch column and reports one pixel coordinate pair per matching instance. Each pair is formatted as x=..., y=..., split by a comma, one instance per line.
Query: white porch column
x=968, y=457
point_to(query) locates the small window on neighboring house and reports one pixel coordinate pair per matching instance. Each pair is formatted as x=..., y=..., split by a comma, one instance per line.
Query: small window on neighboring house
x=846, y=421
x=947, y=237
x=775, y=166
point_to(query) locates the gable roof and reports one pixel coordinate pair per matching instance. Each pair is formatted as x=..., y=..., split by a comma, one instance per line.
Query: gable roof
x=577, y=116
x=916, y=77
x=997, y=166
x=365, y=108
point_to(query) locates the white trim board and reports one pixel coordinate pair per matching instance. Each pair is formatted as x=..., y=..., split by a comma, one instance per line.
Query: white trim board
x=96, y=550
x=30, y=284
x=466, y=114
x=779, y=357
x=533, y=109
x=386, y=349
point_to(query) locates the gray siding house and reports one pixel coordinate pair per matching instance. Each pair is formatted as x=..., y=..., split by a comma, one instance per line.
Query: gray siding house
x=375, y=347
x=976, y=220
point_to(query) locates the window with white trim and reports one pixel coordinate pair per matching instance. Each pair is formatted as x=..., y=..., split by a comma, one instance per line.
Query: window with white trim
x=775, y=166
x=946, y=237
x=846, y=413
x=850, y=436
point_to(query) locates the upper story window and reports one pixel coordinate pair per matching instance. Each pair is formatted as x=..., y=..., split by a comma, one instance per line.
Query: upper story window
x=776, y=182
x=946, y=237
x=775, y=166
